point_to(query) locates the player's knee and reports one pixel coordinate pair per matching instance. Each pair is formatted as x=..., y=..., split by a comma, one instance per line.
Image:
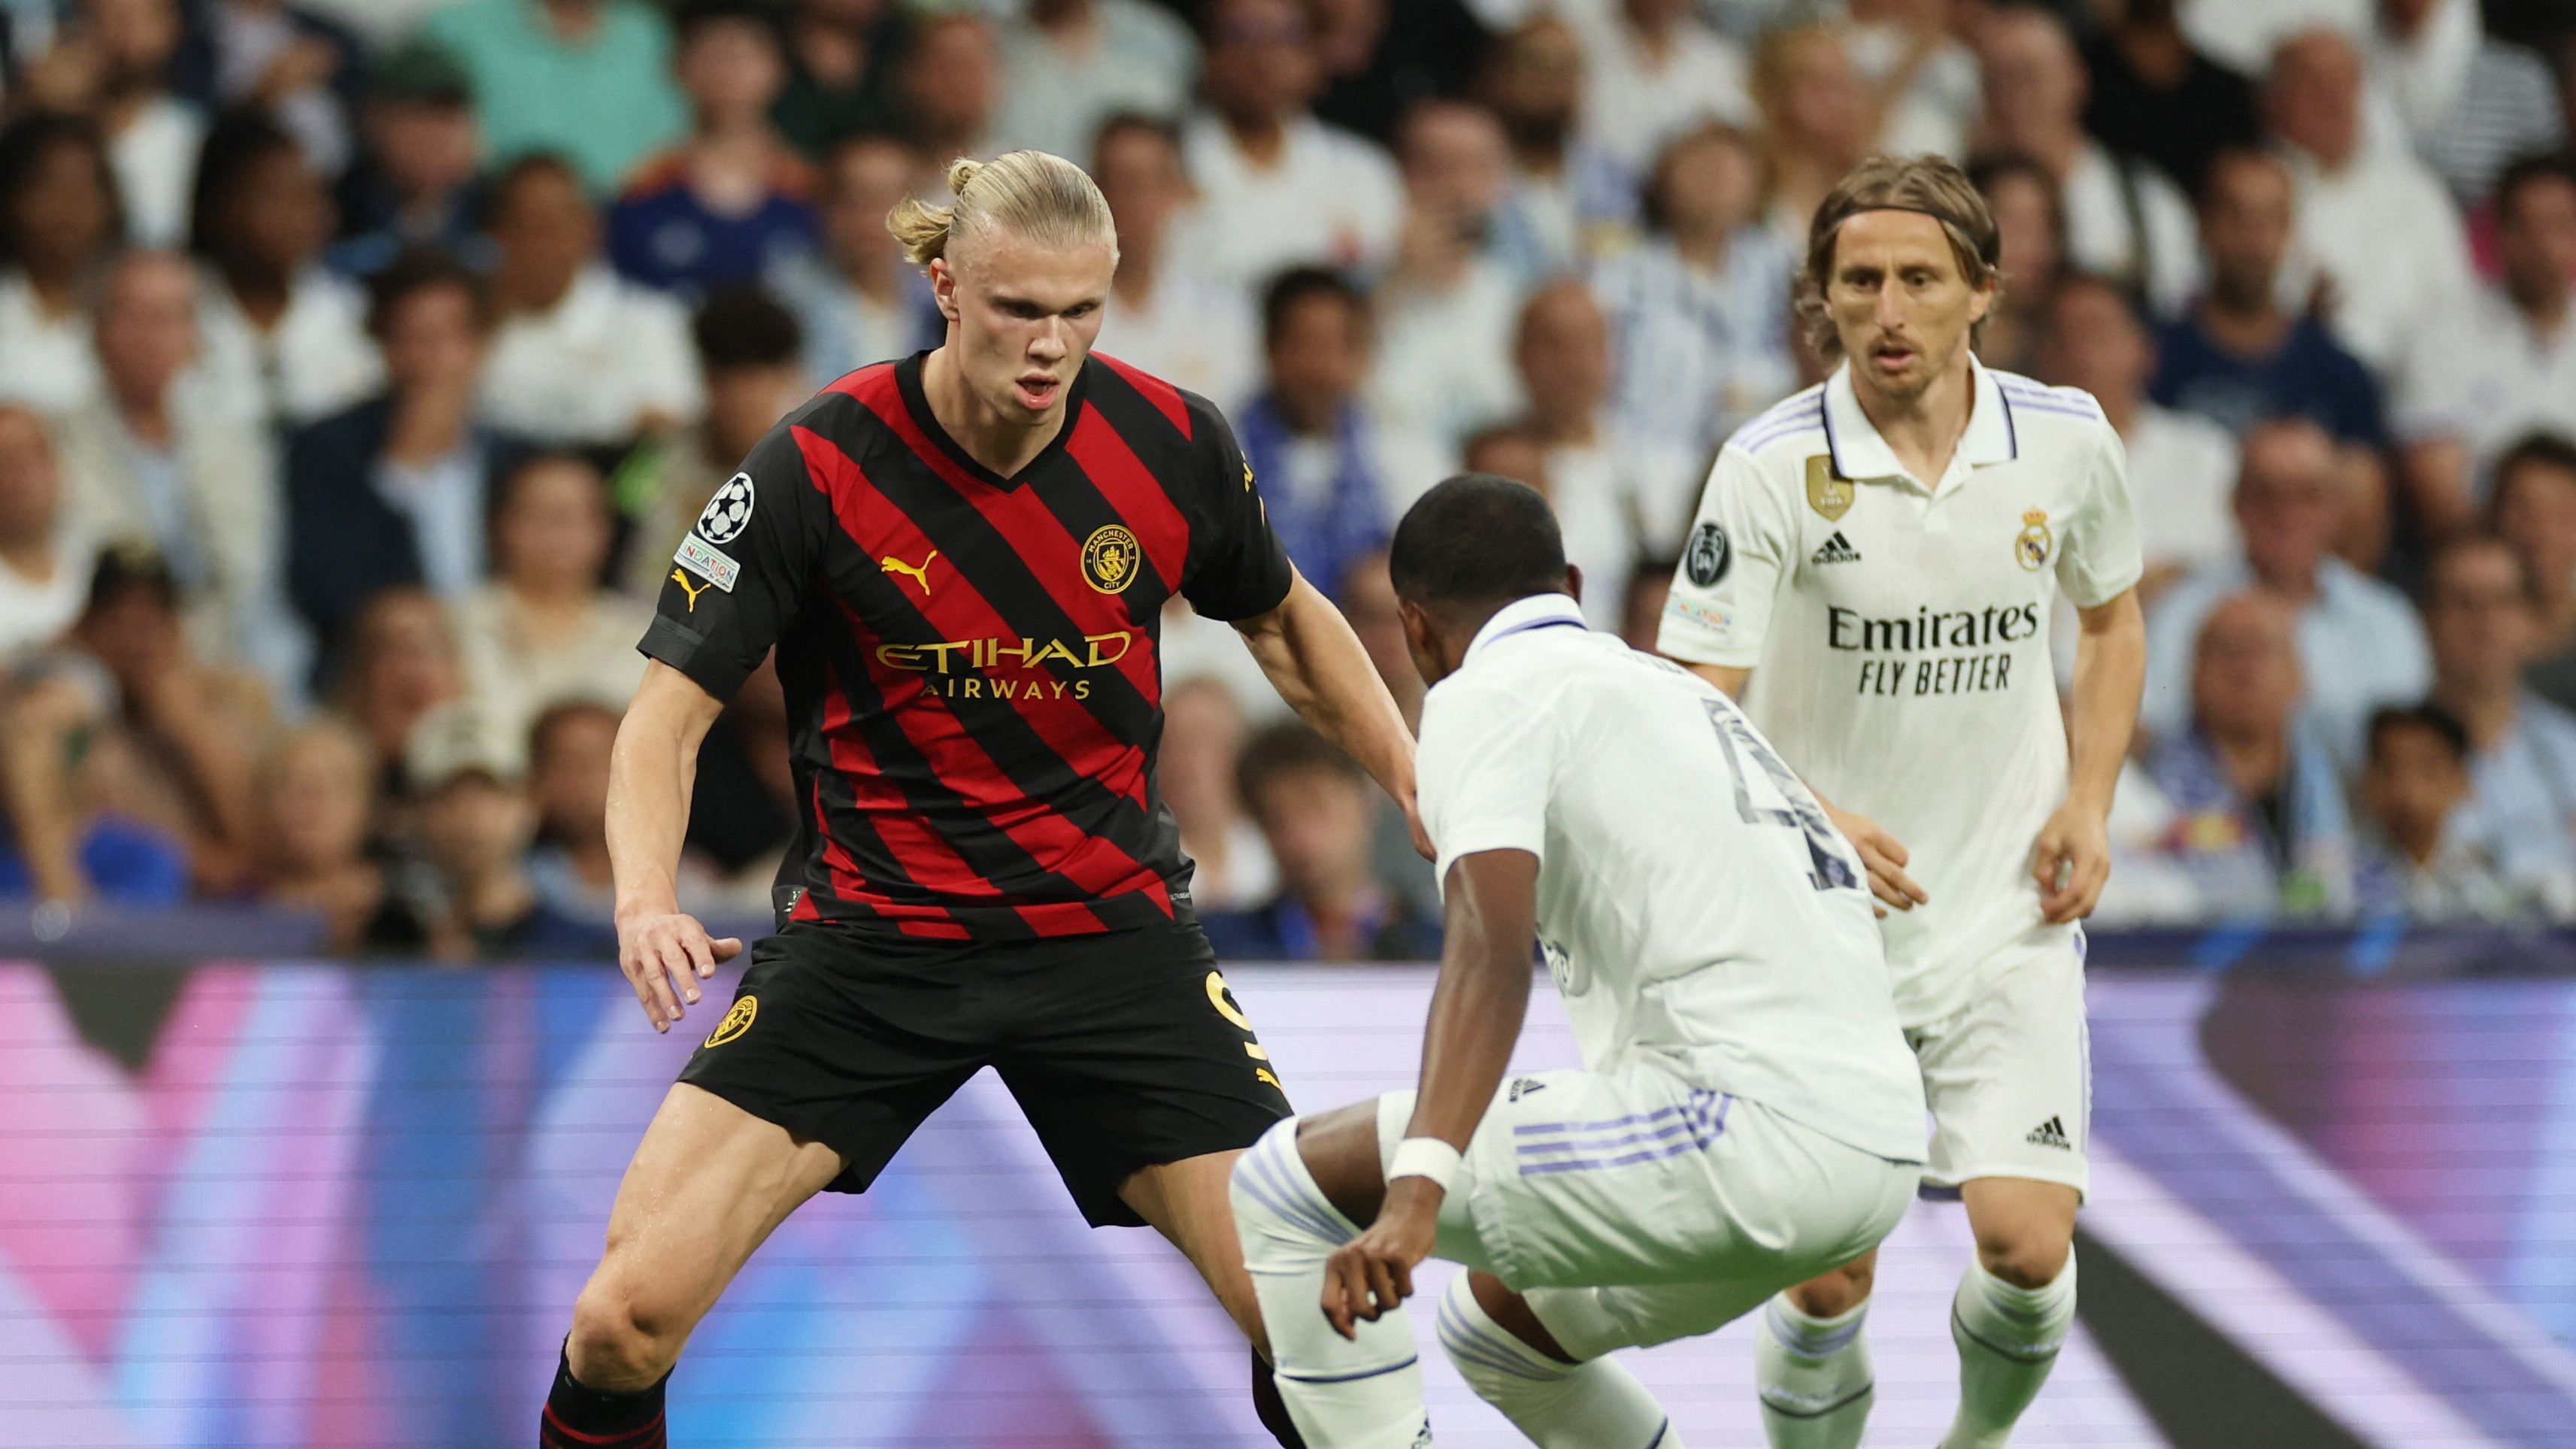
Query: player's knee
x=621, y=1338
x=1831, y=1295
x=2024, y=1255
x=1280, y=1216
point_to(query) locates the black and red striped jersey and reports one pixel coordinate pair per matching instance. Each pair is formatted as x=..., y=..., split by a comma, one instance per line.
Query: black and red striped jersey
x=972, y=662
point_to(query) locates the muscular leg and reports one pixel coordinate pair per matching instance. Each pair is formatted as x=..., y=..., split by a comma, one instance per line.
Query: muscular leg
x=1185, y=1201
x=708, y=1184
x=2014, y=1304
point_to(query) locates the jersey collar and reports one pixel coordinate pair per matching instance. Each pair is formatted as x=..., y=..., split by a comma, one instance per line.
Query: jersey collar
x=907, y=376
x=1538, y=611
x=1859, y=451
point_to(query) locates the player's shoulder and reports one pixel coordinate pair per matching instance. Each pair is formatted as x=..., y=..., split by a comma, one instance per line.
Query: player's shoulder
x=1793, y=426
x=1137, y=402
x=2050, y=414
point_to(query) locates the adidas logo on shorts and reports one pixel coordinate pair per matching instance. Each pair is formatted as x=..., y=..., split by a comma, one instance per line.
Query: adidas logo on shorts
x=2049, y=1134
x=1836, y=549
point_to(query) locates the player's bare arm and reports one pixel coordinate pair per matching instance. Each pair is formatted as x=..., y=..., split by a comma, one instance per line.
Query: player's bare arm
x=1318, y=666
x=1476, y=1012
x=663, y=952
x=1883, y=854
x=2071, y=859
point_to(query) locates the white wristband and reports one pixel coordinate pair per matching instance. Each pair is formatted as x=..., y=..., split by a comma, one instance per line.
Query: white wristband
x=1424, y=1157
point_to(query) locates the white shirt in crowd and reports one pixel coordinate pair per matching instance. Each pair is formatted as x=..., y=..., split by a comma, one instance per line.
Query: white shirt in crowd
x=155, y=161
x=1330, y=199
x=2483, y=374
x=1444, y=359
x=512, y=680
x=1899, y=636
x=1139, y=57
x=1697, y=354
x=1694, y=905
x=2129, y=221
x=1937, y=110
x=2184, y=467
x=1191, y=332
x=1634, y=103
x=2385, y=230
x=45, y=361
x=35, y=612
x=2242, y=34
x=316, y=361
x=589, y=370
x=1601, y=509
x=2361, y=645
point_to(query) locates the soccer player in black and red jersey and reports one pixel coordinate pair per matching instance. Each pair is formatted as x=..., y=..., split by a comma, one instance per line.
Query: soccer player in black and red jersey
x=961, y=560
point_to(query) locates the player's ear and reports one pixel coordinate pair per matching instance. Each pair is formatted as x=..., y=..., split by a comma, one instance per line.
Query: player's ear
x=943, y=287
x=1574, y=582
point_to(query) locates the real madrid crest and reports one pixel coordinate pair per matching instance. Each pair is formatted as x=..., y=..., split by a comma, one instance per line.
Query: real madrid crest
x=1827, y=494
x=2032, y=544
x=1109, y=559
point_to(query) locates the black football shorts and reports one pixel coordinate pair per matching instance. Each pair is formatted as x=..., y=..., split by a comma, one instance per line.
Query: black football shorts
x=1124, y=1048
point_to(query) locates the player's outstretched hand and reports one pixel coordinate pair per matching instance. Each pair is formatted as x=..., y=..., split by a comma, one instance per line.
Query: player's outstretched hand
x=1884, y=856
x=664, y=955
x=2071, y=860
x=1372, y=1274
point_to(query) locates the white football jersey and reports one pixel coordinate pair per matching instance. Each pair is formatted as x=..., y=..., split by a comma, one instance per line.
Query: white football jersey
x=1899, y=636
x=1694, y=904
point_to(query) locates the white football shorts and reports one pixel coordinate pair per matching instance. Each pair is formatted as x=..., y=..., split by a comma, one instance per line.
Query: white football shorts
x=2010, y=1076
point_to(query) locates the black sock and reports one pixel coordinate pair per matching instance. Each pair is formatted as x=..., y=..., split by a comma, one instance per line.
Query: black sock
x=578, y=1416
x=1272, y=1408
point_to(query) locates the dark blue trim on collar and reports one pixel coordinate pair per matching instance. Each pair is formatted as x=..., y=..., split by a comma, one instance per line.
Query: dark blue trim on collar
x=1538, y=624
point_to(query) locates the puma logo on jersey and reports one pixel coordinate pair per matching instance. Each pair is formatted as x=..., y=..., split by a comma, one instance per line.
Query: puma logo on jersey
x=1836, y=549
x=920, y=575
x=681, y=577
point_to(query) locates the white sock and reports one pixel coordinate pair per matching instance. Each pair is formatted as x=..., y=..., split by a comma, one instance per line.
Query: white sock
x=1814, y=1374
x=1596, y=1405
x=2008, y=1339
x=1343, y=1394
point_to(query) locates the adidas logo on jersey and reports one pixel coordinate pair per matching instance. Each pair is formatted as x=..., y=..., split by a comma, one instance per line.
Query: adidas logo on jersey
x=1837, y=549
x=2049, y=1134
x=1524, y=1086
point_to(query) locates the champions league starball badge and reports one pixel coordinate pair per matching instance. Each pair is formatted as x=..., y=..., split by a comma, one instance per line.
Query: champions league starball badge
x=728, y=512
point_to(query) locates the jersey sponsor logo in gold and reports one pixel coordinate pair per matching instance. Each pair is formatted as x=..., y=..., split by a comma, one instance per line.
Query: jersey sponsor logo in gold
x=919, y=575
x=962, y=668
x=1110, y=558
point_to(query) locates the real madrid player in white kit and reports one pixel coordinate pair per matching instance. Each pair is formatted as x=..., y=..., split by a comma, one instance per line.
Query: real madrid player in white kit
x=1749, y=1114
x=1877, y=558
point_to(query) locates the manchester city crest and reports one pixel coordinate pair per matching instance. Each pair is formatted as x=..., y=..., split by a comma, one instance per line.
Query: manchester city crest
x=1109, y=559
x=2032, y=544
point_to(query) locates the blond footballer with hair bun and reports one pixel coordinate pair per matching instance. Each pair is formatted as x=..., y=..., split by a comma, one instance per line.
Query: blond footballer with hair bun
x=1873, y=570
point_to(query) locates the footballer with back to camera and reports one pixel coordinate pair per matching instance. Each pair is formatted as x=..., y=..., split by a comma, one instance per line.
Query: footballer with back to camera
x=1873, y=570
x=961, y=559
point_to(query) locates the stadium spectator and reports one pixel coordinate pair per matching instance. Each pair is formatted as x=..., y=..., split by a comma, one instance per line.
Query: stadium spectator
x=1924, y=79
x=1307, y=435
x=842, y=57
x=1315, y=810
x=1282, y=188
x=1650, y=587
x=1600, y=537
x=2359, y=643
x=2379, y=226
x=1612, y=493
x=2533, y=507
x=1571, y=200
x=744, y=802
x=2123, y=218
x=581, y=357
x=858, y=300
x=2237, y=357
x=81, y=821
x=58, y=221
x=1368, y=601
x=1445, y=306
x=1654, y=69
x=284, y=340
x=1203, y=735
x=2416, y=853
x=543, y=630
x=2470, y=102
x=1165, y=314
x=148, y=460
x=283, y=61
x=476, y=824
x=568, y=749
x=1073, y=64
x=733, y=199
x=2182, y=466
x=1699, y=309
x=396, y=489
x=2246, y=35
x=114, y=63
x=2030, y=230
x=401, y=663
x=1379, y=58
x=317, y=808
x=414, y=183
x=950, y=84
x=2502, y=363
x=2153, y=94
x=2260, y=824
x=2484, y=629
x=749, y=347
x=1817, y=122
x=587, y=80
x=44, y=562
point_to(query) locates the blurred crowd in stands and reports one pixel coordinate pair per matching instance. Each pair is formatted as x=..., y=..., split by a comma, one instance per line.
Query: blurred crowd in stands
x=362, y=361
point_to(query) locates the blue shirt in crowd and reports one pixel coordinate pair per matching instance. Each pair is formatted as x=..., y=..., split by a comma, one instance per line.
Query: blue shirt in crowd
x=2360, y=647
x=2309, y=376
x=1325, y=499
x=662, y=235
